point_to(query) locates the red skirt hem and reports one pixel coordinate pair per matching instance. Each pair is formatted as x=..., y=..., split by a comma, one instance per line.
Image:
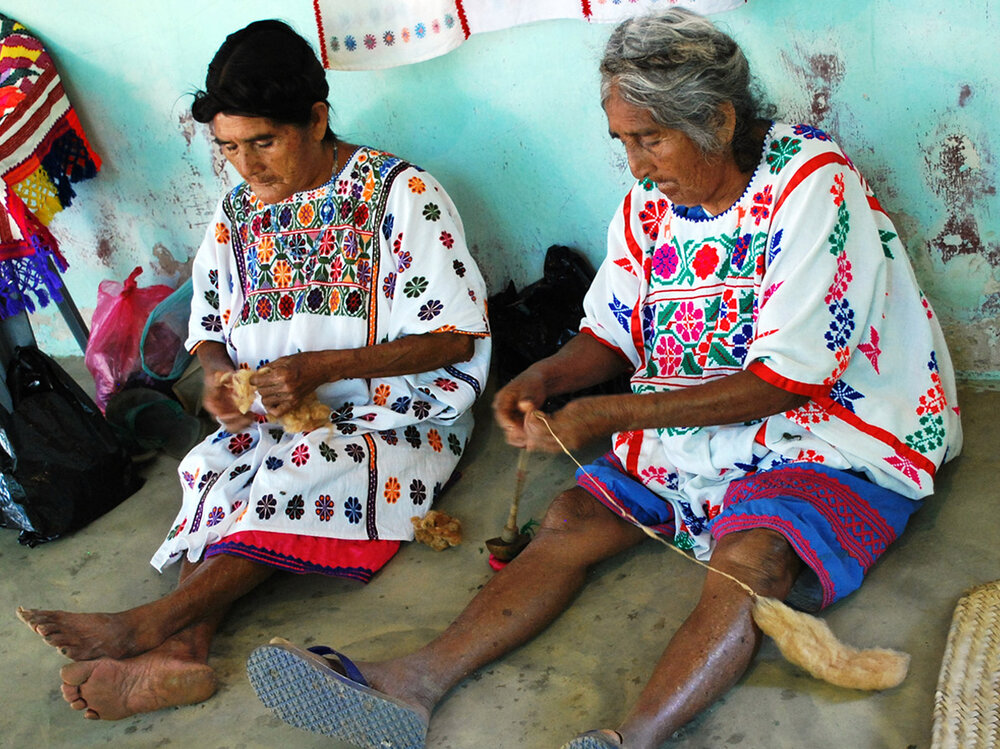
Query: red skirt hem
x=335, y=557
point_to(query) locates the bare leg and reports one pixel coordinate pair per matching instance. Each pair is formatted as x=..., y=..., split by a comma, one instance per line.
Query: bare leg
x=204, y=588
x=518, y=603
x=717, y=642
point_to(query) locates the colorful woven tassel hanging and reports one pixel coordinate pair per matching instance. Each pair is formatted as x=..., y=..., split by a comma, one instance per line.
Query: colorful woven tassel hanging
x=43, y=152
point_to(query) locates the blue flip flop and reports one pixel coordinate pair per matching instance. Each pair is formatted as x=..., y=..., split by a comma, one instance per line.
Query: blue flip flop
x=594, y=740
x=303, y=689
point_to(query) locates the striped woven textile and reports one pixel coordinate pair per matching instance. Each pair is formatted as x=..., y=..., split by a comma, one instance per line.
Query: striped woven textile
x=43, y=152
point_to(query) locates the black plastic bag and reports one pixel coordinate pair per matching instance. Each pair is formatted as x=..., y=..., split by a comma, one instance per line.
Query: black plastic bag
x=62, y=465
x=537, y=321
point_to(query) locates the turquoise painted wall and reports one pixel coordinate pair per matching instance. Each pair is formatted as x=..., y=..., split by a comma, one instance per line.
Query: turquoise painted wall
x=511, y=124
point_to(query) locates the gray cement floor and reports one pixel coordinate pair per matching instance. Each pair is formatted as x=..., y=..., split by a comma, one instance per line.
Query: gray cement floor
x=581, y=673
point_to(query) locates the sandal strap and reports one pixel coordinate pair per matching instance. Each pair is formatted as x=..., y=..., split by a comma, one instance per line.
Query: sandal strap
x=350, y=670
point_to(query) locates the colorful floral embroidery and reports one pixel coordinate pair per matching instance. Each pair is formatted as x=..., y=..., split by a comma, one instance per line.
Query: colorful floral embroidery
x=300, y=455
x=620, y=311
x=240, y=443
x=706, y=261
x=352, y=510
x=670, y=353
x=651, y=216
x=391, y=490
x=665, y=261
x=689, y=322
x=266, y=506
x=324, y=507
x=781, y=152
x=761, y=205
x=415, y=287
x=381, y=395
x=808, y=132
x=295, y=508
x=841, y=326
x=841, y=280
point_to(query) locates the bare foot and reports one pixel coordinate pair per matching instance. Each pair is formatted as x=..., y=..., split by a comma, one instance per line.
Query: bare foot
x=83, y=637
x=108, y=689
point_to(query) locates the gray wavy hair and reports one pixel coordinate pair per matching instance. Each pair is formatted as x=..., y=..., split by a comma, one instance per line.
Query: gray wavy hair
x=680, y=68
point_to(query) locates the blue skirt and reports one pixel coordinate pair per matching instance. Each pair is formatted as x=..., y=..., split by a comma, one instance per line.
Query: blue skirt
x=838, y=522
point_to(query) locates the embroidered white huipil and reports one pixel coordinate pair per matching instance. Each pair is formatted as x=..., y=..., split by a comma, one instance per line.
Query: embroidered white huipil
x=375, y=254
x=804, y=282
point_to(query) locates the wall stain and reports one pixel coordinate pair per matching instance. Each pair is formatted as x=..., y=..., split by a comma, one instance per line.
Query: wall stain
x=165, y=264
x=956, y=176
x=828, y=72
x=187, y=125
x=820, y=74
x=105, y=251
x=960, y=236
x=990, y=306
x=964, y=95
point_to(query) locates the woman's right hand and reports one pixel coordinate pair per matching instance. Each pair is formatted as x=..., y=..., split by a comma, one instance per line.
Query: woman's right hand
x=217, y=397
x=582, y=362
x=219, y=402
x=515, y=401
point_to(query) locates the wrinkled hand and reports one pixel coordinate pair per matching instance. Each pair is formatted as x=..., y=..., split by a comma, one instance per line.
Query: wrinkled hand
x=284, y=383
x=512, y=403
x=218, y=401
x=576, y=424
x=515, y=408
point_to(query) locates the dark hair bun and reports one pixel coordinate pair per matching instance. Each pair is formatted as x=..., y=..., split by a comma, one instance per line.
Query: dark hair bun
x=263, y=70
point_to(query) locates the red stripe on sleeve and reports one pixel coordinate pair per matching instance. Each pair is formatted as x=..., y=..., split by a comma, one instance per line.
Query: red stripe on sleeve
x=821, y=396
x=817, y=162
x=607, y=345
x=792, y=386
x=633, y=246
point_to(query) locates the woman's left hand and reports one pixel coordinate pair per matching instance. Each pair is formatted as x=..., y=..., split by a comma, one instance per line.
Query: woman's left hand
x=576, y=424
x=284, y=383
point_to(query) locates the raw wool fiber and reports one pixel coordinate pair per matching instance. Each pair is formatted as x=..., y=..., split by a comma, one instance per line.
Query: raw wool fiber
x=967, y=700
x=308, y=415
x=804, y=640
x=438, y=530
x=808, y=642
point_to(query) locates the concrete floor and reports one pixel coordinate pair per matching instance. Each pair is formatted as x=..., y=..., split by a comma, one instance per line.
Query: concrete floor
x=580, y=674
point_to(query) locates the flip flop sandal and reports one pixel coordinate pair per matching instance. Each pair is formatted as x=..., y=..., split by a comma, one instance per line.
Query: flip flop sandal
x=303, y=689
x=595, y=740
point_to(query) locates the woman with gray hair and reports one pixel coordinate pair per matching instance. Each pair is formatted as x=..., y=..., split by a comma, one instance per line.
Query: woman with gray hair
x=791, y=400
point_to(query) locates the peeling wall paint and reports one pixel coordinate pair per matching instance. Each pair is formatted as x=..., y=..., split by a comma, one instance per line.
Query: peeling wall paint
x=510, y=123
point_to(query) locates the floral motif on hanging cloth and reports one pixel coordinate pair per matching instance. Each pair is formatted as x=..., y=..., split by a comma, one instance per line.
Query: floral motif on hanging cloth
x=386, y=33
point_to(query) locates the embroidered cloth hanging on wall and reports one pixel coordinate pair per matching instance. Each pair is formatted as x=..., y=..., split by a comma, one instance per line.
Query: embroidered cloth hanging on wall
x=43, y=151
x=386, y=33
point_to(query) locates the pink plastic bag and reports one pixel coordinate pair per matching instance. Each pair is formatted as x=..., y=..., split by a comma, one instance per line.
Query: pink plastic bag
x=112, y=354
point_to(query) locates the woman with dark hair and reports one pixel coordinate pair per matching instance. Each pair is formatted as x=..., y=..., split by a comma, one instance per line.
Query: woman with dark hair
x=792, y=398
x=339, y=276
